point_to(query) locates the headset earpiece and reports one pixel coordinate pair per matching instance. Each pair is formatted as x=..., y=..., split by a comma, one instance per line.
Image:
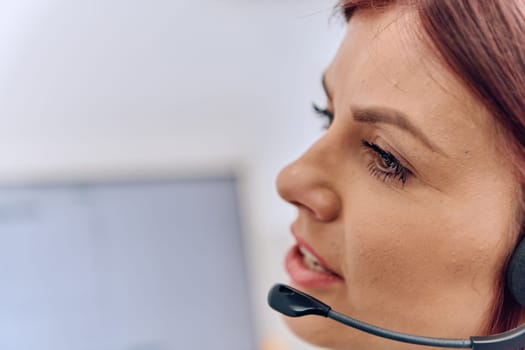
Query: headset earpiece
x=516, y=273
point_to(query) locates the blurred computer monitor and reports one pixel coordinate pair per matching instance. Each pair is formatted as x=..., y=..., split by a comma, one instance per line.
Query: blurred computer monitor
x=123, y=265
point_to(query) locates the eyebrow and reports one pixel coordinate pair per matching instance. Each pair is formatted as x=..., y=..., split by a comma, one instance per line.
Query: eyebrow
x=393, y=117
x=387, y=115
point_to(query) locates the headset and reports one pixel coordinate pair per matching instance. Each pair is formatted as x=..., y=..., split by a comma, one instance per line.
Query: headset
x=294, y=303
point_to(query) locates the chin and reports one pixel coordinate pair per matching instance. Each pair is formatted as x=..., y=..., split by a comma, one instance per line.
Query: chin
x=328, y=334
x=318, y=331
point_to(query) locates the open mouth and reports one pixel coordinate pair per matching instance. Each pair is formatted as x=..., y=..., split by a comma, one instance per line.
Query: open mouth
x=311, y=261
x=307, y=270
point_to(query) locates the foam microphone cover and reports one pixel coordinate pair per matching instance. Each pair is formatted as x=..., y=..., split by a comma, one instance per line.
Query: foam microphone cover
x=516, y=273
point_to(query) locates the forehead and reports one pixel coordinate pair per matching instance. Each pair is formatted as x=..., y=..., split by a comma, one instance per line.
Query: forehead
x=384, y=60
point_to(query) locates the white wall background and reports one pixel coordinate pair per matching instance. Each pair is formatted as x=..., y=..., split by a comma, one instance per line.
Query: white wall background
x=128, y=88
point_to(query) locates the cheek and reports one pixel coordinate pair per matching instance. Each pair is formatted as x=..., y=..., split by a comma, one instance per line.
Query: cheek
x=400, y=257
x=388, y=253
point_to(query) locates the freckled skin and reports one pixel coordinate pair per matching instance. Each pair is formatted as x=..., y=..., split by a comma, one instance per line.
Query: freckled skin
x=422, y=257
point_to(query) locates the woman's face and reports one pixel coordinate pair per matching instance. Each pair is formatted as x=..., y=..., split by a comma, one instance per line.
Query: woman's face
x=406, y=198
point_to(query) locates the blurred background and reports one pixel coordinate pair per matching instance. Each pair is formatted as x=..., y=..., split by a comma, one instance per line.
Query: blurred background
x=140, y=141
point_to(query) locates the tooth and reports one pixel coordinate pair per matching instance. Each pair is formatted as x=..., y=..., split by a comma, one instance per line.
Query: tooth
x=311, y=261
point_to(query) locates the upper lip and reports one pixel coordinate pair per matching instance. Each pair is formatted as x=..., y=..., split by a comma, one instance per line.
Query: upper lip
x=301, y=242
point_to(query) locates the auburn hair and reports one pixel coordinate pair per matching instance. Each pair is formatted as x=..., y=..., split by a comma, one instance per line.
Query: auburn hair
x=483, y=43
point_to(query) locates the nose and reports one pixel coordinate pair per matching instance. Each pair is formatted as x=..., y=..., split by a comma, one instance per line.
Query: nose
x=309, y=183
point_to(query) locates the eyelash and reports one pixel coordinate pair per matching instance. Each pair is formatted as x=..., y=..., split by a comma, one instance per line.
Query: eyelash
x=324, y=114
x=385, y=167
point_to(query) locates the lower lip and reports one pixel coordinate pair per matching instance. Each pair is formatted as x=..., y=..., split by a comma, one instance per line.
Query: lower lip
x=303, y=276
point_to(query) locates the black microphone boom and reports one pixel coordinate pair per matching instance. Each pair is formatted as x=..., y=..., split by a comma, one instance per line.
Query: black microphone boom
x=295, y=303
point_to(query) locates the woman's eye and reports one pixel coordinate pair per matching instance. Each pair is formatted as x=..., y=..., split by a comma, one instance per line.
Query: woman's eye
x=325, y=114
x=385, y=166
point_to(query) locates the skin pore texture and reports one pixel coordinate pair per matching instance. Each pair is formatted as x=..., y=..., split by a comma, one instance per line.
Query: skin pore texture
x=421, y=255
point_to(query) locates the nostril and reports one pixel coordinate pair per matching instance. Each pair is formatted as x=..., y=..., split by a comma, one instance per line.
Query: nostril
x=299, y=204
x=304, y=208
x=326, y=204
